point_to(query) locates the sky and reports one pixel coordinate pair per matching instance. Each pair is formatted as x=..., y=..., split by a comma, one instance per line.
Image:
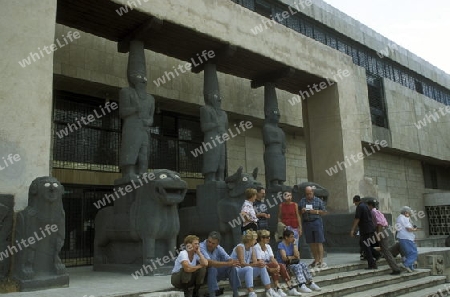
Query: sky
x=422, y=27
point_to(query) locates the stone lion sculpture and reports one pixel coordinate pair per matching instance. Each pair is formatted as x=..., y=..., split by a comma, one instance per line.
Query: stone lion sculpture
x=40, y=232
x=146, y=230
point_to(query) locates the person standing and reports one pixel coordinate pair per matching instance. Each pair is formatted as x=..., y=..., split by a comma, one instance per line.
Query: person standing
x=312, y=209
x=381, y=224
x=190, y=267
x=261, y=209
x=288, y=215
x=406, y=236
x=363, y=219
x=220, y=265
x=248, y=213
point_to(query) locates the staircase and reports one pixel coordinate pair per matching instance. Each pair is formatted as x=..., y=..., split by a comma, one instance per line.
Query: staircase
x=352, y=280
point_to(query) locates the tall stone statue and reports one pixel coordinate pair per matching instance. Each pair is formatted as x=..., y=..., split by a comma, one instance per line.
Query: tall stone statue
x=214, y=123
x=274, y=141
x=136, y=109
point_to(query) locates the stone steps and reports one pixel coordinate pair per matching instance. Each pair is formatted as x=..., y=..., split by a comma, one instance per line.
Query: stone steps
x=352, y=280
x=436, y=291
x=406, y=287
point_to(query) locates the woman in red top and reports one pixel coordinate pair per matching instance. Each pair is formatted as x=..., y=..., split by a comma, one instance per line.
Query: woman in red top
x=288, y=214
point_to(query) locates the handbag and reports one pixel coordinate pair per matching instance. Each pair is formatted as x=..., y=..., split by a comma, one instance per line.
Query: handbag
x=293, y=261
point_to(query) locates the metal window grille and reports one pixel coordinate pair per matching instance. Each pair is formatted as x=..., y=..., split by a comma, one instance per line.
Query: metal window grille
x=439, y=219
x=376, y=101
x=174, y=140
x=96, y=146
x=78, y=203
x=91, y=146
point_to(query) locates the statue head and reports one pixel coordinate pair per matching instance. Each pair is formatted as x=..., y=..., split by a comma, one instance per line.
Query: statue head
x=135, y=79
x=240, y=181
x=211, y=86
x=136, y=70
x=272, y=115
x=45, y=187
x=214, y=99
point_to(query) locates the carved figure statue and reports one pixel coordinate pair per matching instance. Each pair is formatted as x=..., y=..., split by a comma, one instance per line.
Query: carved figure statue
x=214, y=123
x=151, y=221
x=274, y=141
x=40, y=232
x=136, y=108
x=229, y=208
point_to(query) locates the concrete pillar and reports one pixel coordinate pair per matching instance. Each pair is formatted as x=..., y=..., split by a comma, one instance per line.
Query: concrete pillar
x=332, y=136
x=25, y=94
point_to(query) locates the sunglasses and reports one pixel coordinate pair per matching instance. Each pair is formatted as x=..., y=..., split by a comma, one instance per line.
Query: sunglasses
x=265, y=237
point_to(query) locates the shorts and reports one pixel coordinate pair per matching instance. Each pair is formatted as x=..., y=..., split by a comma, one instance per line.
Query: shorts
x=313, y=231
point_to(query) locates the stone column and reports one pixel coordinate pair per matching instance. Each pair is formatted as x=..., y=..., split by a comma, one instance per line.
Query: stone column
x=26, y=94
x=332, y=135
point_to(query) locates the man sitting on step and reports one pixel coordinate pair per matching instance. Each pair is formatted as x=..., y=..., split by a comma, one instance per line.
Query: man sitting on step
x=220, y=265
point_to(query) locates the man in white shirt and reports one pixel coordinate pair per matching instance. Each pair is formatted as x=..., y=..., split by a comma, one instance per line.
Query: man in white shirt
x=406, y=236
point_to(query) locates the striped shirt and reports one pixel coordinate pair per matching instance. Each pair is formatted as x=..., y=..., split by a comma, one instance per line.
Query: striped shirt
x=378, y=218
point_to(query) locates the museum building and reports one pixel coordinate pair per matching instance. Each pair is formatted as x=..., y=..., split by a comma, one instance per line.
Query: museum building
x=361, y=114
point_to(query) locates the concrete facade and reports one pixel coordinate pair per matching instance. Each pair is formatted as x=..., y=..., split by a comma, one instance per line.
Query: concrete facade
x=26, y=94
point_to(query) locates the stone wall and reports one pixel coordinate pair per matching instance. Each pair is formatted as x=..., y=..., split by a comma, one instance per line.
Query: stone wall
x=418, y=124
x=25, y=94
x=398, y=181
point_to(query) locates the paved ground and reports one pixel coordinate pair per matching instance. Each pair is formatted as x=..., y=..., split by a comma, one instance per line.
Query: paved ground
x=84, y=282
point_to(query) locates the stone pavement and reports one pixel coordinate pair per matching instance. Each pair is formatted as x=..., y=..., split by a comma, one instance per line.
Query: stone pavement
x=84, y=282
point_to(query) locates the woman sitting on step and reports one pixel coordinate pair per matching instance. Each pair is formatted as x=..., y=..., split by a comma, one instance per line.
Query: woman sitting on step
x=288, y=254
x=275, y=269
x=246, y=254
x=190, y=267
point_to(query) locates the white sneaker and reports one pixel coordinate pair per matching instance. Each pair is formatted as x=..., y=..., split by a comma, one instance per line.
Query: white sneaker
x=314, y=287
x=305, y=289
x=293, y=292
x=281, y=293
x=252, y=294
x=271, y=293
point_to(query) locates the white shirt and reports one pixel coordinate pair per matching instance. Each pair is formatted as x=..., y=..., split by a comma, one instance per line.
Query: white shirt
x=247, y=253
x=401, y=224
x=183, y=256
x=263, y=255
x=248, y=209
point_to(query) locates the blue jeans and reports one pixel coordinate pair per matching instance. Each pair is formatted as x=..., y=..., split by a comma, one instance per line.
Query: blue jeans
x=222, y=273
x=409, y=250
x=261, y=271
x=246, y=273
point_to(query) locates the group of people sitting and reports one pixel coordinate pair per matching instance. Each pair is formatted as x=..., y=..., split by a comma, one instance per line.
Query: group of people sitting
x=251, y=258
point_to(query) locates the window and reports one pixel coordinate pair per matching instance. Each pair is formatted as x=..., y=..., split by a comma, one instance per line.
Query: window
x=376, y=101
x=83, y=144
x=96, y=146
x=360, y=53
